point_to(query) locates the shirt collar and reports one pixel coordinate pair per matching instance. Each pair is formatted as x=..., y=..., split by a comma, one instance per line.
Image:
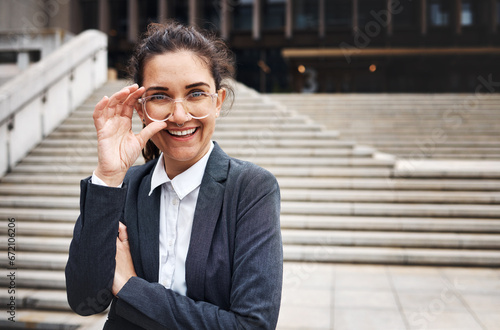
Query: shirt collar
x=185, y=182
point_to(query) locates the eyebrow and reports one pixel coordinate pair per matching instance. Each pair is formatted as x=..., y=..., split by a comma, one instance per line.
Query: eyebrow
x=157, y=88
x=197, y=85
x=165, y=89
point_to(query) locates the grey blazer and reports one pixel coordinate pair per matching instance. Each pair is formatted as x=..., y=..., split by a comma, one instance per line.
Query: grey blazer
x=234, y=264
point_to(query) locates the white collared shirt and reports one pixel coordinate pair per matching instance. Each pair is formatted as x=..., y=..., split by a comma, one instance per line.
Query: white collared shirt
x=177, y=206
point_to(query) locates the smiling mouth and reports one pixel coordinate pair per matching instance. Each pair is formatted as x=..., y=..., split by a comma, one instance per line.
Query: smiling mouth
x=184, y=133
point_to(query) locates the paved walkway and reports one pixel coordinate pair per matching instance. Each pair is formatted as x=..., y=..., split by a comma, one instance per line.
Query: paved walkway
x=357, y=297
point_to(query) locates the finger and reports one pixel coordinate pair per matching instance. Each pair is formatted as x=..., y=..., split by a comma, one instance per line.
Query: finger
x=131, y=101
x=133, y=97
x=122, y=232
x=102, y=104
x=150, y=130
x=121, y=96
x=133, y=87
x=99, y=107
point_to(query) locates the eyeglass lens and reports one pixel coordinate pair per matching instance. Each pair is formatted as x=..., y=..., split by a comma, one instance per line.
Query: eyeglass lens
x=162, y=107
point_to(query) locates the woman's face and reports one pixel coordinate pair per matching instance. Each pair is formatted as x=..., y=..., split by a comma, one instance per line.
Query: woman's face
x=177, y=75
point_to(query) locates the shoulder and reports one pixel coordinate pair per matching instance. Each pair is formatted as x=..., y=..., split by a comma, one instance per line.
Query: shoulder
x=250, y=181
x=222, y=166
x=249, y=171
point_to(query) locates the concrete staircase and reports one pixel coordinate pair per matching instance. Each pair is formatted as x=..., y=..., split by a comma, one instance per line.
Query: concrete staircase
x=450, y=126
x=341, y=202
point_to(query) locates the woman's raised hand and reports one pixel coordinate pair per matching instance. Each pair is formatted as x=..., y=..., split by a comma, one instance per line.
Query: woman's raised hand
x=117, y=146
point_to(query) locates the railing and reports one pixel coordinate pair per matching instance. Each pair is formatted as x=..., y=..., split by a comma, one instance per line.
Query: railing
x=35, y=102
x=39, y=44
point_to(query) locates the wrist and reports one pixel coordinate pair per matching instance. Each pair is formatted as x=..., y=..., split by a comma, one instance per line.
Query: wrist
x=110, y=179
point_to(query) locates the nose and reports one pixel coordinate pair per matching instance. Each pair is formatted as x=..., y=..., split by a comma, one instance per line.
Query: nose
x=179, y=114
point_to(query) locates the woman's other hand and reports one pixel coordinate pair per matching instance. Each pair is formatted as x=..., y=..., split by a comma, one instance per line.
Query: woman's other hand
x=117, y=146
x=124, y=269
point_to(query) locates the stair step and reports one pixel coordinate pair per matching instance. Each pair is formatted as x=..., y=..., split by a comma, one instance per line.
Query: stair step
x=239, y=110
x=391, y=239
x=308, y=193
x=39, y=202
x=361, y=183
x=41, y=229
x=67, y=155
x=38, y=260
x=44, y=154
x=302, y=207
x=37, y=299
x=59, y=170
x=88, y=141
x=37, y=189
x=246, y=117
x=465, y=155
x=403, y=224
x=389, y=184
x=35, y=243
x=455, y=151
x=37, y=279
x=59, y=162
x=53, y=320
x=252, y=127
x=401, y=256
x=265, y=134
x=392, y=210
x=40, y=214
x=35, y=178
x=330, y=172
x=384, y=196
x=341, y=171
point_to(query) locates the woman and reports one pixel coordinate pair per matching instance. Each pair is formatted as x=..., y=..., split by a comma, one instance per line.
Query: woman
x=199, y=243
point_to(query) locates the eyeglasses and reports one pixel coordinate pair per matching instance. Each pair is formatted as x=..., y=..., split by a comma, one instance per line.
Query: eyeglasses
x=160, y=108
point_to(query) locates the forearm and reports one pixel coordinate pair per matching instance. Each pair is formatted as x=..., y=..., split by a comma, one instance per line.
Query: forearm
x=91, y=264
x=166, y=309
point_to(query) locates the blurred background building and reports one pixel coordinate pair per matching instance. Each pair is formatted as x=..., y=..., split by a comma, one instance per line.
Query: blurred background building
x=304, y=45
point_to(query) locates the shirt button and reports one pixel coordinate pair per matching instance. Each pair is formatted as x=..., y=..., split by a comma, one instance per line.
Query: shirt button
x=175, y=201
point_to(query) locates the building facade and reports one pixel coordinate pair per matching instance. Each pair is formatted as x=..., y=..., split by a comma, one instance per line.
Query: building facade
x=309, y=45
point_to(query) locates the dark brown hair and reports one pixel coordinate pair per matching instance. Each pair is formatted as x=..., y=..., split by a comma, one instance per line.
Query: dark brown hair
x=174, y=37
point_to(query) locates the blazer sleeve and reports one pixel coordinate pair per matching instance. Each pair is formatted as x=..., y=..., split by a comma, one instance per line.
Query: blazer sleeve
x=255, y=292
x=91, y=264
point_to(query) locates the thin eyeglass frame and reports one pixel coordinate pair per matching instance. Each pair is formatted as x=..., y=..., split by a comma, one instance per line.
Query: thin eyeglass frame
x=143, y=101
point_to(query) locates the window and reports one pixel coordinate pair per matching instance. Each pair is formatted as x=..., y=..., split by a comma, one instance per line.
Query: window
x=273, y=12
x=338, y=13
x=118, y=21
x=498, y=12
x=369, y=10
x=179, y=11
x=467, y=13
x=242, y=15
x=305, y=14
x=89, y=13
x=439, y=13
x=211, y=13
x=407, y=15
x=148, y=13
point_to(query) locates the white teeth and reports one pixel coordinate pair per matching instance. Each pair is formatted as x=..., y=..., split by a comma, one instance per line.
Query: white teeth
x=182, y=133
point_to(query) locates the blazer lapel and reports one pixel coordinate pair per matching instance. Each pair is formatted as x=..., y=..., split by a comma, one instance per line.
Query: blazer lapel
x=148, y=224
x=207, y=212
